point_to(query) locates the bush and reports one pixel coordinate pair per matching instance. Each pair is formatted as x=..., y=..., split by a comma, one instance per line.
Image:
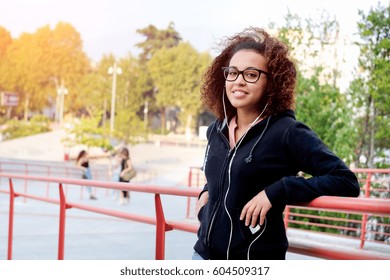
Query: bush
x=15, y=128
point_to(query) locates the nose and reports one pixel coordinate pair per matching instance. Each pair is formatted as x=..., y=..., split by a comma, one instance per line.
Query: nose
x=240, y=78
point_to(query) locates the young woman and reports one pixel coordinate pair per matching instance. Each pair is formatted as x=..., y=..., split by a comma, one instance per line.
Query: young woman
x=255, y=150
x=82, y=162
x=126, y=165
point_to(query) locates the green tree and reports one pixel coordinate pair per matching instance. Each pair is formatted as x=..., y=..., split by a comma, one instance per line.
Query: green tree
x=155, y=39
x=86, y=131
x=131, y=85
x=370, y=90
x=176, y=73
x=320, y=103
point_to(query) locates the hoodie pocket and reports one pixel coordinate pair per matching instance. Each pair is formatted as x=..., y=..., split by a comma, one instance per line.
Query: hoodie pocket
x=242, y=235
x=204, y=217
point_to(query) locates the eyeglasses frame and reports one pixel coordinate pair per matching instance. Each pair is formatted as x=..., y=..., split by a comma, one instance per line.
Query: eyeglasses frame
x=242, y=73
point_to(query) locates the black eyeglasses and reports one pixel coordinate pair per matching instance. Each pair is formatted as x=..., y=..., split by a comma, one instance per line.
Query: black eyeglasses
x=250, y=75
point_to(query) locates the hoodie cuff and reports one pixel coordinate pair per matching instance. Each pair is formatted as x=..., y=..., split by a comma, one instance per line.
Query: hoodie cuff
x=277, y=194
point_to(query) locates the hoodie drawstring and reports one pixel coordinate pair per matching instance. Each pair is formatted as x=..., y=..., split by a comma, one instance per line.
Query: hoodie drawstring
x=249, y=158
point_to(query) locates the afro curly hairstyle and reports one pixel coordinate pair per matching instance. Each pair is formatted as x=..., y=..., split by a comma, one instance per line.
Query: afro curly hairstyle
x=280, y=90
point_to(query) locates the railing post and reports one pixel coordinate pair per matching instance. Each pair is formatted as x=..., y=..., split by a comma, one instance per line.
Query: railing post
x=48, y=183
x=25, y=181
x=367, y=187
x=161, y=228
x=286, y=216
x=363, y=231
x=367, y=193
x=189, y=198
x=61, y=234
x=190, y=177
x=11, y=218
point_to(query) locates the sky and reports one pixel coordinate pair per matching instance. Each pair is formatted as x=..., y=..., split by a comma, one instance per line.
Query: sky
x=109, y=26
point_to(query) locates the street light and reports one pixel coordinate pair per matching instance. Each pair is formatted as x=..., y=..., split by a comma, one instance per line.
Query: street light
x=114, y=70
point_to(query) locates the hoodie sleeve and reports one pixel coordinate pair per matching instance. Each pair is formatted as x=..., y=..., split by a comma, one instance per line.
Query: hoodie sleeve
x=329, y=174
x=208, y=135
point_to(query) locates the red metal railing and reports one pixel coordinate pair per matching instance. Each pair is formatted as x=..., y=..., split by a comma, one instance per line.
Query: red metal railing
x=359, y=205
x=161, y=224
x=101, y=172
x=30, y=168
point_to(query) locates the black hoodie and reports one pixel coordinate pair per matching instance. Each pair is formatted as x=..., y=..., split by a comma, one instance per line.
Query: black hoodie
x=269, y=158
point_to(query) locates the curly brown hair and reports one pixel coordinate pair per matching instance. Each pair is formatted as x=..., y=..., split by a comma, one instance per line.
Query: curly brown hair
x=280, y=91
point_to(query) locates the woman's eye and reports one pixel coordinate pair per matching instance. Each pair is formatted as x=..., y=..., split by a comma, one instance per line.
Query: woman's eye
x=251, y=75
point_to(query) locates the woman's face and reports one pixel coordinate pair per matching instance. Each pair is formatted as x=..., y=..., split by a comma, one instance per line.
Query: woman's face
x=245, y=96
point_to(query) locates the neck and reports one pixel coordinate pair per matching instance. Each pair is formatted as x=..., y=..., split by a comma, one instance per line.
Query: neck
x=247, y=120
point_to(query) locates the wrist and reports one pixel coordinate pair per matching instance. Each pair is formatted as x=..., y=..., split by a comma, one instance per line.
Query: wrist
x=201, y=193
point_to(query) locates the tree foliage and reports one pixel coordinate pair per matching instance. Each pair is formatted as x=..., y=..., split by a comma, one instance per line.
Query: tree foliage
x=5, y=42
x=132, y=83
x=176, y=73
x=370, y=90
x=36, y=64
x=320, y=103
x=86, y=131
x=156, y=39
x=16, y=128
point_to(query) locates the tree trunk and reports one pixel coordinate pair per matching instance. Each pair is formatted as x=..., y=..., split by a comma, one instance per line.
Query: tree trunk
x=163, y=120
x=371, y=147
x=26, y=105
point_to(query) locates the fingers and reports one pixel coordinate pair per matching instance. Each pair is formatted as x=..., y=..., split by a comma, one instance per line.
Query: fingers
x=250, y=214
x=255, y=210
x=262, y=217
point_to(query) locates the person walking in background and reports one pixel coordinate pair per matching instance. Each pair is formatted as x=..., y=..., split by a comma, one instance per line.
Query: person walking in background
x=256, y=148
x=126, y=166
x=82, y=162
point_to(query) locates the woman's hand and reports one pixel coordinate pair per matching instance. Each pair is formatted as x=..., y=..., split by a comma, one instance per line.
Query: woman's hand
x=203, y=199
x=257, y=206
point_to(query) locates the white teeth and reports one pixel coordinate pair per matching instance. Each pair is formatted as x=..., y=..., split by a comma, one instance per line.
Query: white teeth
x=238, y=93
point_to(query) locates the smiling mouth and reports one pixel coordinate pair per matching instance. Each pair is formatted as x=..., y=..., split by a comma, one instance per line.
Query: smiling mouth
x=239, y=93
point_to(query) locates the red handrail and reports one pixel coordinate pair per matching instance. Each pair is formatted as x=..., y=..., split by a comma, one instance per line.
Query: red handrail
x=359, y=205
x=380, y=206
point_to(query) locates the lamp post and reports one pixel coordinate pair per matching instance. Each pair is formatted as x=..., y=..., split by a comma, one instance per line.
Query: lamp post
x=114, y=70
x=62, y=91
